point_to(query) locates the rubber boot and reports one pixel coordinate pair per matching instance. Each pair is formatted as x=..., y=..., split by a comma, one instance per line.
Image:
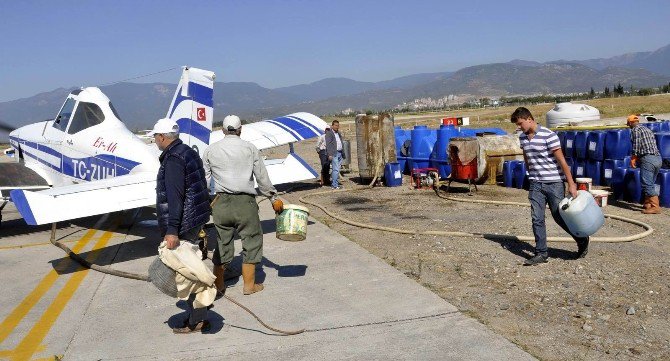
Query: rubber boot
x=249, y=277
x=219, y=282
x=654, y=206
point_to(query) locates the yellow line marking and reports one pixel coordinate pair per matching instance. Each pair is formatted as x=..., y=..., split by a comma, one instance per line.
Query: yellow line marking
x=34, y=338
x=34, y=244
x=12, y=320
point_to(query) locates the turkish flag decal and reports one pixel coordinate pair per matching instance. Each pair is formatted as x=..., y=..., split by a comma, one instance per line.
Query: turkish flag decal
x=201, y=114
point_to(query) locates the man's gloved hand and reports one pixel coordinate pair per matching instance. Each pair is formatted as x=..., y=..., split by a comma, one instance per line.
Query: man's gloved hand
x=633, y=161
x=277, y=204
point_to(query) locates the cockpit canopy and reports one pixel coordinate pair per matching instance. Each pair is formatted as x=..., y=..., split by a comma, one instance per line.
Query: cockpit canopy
x=83, y=109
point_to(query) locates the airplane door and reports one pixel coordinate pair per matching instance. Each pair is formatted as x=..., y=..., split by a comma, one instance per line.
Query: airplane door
x=54, y=135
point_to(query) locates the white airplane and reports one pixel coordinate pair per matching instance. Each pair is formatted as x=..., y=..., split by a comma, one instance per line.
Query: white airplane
x=86, y=162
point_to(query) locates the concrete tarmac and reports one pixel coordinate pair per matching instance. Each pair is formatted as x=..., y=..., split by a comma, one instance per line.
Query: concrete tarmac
x=353, y=305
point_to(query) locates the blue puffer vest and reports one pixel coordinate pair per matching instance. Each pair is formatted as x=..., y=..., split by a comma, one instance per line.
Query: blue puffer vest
x=196, y=198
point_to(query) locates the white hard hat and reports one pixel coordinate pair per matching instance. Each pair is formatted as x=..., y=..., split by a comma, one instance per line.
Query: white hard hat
x=232, y=121
x=164, y=126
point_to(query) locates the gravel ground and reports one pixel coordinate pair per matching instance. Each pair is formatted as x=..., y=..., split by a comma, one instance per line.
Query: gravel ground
x=611, y=305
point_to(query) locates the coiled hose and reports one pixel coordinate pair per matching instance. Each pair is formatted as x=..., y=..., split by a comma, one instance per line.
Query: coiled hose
x=647, y=228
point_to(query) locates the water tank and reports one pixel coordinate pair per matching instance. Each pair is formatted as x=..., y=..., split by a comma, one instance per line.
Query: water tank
x=440, y=158
x=375, y=144
x=571, y=113
x=423, y=141
x=402, y=144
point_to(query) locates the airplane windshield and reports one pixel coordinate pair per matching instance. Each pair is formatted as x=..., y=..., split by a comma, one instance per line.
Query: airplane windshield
x=65, y=114
x=86, y=116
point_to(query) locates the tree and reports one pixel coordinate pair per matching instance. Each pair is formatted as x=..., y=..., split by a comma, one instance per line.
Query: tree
x=607, y=91
x=592, y=93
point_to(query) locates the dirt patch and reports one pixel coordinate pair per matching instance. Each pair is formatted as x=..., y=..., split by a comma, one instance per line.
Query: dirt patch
x=611, y=305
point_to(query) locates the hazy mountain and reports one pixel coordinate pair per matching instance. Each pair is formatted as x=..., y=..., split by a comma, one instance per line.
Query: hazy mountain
x=141, y=104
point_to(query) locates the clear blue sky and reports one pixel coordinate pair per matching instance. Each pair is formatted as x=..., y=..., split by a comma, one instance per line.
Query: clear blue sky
x=50, y=44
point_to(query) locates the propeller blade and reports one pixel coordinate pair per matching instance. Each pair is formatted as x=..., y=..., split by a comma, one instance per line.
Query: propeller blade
x=6, y=127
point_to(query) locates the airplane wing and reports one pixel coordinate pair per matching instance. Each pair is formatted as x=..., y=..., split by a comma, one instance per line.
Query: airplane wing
x=279, y=131
x=19, y=176
x=86, y=199
x=290, y=169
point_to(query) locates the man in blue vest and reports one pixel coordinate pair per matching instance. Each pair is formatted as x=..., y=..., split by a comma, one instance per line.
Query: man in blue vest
x=182, y=202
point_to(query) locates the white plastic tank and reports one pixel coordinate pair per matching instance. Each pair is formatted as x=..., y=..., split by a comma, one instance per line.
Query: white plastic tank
x=582, y=215
x=570, y=113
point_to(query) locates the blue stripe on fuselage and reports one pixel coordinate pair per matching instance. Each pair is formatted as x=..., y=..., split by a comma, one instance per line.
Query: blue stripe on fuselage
x=85, y=168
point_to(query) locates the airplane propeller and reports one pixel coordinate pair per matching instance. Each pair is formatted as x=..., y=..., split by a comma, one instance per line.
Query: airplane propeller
x=6, y=127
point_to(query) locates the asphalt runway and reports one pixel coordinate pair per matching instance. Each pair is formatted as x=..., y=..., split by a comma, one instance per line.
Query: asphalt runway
x=353, y=304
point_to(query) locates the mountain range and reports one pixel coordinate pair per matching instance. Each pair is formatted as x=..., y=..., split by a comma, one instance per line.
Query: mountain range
x=140, y=104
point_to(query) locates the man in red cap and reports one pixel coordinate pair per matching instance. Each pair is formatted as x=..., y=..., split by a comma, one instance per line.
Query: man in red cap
x=648, y=158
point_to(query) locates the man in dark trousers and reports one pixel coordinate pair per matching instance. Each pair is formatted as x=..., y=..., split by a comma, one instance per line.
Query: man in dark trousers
x=648, y=158
x=334, y=151
x=182, y=202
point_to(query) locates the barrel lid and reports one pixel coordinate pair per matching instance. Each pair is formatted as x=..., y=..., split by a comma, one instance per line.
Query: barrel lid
x=296, y=207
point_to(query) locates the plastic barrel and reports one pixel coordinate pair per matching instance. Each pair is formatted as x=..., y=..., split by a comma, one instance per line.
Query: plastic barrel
x=423, y=141
x=561, y=138
x=593, y=171
x=520, y=177
x=579, y=168
x=617, y=181
x=440, y=158
x=392, y=174
x=632, y=187
x=400, y=137
x=617, y=143
x=569, y=148
x=665, y=126
x=663, y=187
x=470, y=132
x=654, y=126
x=663, y=143
x=508, y=174
x=581, y=146
x=596, y=145
x=608, y=167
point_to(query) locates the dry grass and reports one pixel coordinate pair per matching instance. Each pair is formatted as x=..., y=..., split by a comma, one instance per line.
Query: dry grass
x=499, y=117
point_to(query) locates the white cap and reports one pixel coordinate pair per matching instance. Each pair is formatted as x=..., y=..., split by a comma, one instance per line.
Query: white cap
x=232, y=121
x=164, y=126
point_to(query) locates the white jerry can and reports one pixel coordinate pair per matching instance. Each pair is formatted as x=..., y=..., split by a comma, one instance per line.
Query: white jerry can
x=582, y=214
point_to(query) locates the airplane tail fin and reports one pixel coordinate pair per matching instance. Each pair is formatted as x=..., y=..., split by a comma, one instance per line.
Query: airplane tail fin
x=192, y=107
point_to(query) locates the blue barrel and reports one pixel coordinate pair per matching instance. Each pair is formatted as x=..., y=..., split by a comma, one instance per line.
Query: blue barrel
x=508, y=173
x=579, y=168
x=423, y=141
x=632, y=186
x=581, y=144
x=665, y=126
x=519, y=175
x=618, y=185
x=654, y=126
x=663, y=187
x=593, y=171
x=561, y=138
x=663, y=143
x=569, y=147
x=392, y=174
x=571, y=163
x=617, y=143
x=440, y=157
x=596, y=145
x=608, y=170
x=401, y=136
